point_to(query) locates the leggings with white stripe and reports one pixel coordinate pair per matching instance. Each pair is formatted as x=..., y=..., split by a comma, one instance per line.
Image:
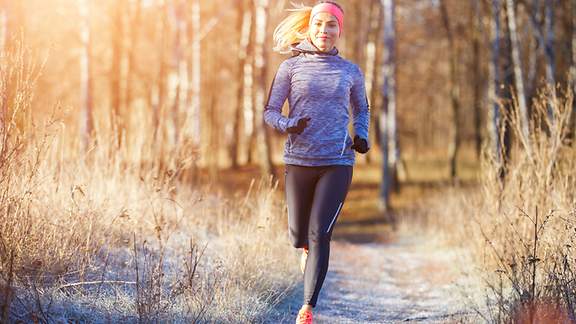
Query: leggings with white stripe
x=315, y=196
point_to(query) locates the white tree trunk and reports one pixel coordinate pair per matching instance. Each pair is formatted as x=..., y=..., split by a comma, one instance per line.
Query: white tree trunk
x=493, y=109
x=192, y=126
x=262, y=139
x=517, y=68
x=388, y=114
x=245, y=26
x=86, y=114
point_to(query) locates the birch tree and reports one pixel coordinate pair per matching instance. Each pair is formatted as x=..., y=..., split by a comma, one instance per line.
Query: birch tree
x=477, y=78
x=116, y=119
x=134, y=38
x=86, y=81
x=180, y=75
x=517, y=69
x=454, y=92
x=387, y=117
x=260, y=69
x=372, y=58
x=244, y=25
x=192, y=125
x=494, y=118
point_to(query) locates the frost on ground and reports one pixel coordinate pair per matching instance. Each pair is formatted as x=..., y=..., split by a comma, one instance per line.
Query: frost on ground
x=401, y=282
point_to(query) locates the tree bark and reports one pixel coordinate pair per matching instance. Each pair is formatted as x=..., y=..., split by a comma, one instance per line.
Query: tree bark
x=454, y=93
x=192, y=127
x=86, y=115
x=388, y=114
x=372, y=63
x=493, y=108
x=260, y=68
x=131, y=62
x=477, y=79
x=116, y=118
x=179, y=108
x=244, y=25
x=517, y=69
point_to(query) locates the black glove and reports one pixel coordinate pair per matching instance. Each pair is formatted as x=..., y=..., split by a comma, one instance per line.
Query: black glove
x=302, y=123
x=360, y=145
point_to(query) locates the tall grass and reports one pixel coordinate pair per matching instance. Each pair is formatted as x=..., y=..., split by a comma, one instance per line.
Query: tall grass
x=113, y=237
x=521, y=228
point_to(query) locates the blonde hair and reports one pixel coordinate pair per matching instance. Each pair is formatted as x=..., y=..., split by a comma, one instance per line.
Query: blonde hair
x=293, y=29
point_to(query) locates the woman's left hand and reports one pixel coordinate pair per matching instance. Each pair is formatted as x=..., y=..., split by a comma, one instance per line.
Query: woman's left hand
x=360, y=145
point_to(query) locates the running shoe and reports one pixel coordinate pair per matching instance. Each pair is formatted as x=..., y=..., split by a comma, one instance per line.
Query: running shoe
x=303, y=259
x=304, y=317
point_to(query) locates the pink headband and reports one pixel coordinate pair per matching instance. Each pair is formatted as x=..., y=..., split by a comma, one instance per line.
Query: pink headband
x=331, y=9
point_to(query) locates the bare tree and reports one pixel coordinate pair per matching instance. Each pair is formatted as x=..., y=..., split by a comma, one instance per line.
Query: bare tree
x=517, y=68
x=373, y=56
x=86, y=115
x=260, y=69
x=494, y=118
x=387, y=117
x=116, y=118
x=454, y=92
x=192, y=124
x=159, y=95
x=477, y=78
x=134, y=27
x=244, y=25
x=180, y=65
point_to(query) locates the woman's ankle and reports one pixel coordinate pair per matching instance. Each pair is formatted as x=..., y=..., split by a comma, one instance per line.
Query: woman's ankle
x=306, y=307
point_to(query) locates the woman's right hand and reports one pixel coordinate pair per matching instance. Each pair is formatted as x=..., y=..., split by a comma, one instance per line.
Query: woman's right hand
x=302, y=123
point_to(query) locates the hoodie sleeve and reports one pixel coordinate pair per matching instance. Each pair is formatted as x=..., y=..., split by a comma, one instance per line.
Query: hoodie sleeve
x=279, y=91
x=360, y=107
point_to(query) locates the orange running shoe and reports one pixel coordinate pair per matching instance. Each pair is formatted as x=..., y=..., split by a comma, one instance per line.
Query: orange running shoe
x=303, y=259
x=304, y=317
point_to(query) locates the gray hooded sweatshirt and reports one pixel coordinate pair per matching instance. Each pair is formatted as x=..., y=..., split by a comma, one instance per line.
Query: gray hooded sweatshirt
x=320, y=86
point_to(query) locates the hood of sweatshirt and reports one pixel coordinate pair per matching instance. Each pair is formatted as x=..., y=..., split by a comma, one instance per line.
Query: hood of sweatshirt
x=306, y=46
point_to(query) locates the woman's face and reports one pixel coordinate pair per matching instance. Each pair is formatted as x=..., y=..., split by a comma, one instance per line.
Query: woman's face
x=324, y=31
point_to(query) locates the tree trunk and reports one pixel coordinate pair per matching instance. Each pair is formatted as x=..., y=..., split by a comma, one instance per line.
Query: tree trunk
x=192, y=128
x=493, y=108
x=244, y=25
x=260, y=68
x=86, y=114
x=549, y=49
x=372, y=63
x=116, y=120
x=160, y=98
x=517, y=69
x=388, y=114
x=179, y=108
x=131, y=63
x=477, y=79
x=454, y=93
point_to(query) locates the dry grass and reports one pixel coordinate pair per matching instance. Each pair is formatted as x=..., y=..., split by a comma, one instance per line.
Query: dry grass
x=520, y=230
x=101, y=237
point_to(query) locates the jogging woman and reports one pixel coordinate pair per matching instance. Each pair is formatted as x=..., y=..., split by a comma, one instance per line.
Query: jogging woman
x=319, y=152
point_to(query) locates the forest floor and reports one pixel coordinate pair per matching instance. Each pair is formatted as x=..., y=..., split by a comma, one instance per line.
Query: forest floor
x=382, y=271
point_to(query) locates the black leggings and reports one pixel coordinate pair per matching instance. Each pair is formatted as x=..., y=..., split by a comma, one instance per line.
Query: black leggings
x=315, y=196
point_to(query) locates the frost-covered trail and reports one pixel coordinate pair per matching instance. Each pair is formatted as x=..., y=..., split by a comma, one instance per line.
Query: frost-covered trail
x=404, y=281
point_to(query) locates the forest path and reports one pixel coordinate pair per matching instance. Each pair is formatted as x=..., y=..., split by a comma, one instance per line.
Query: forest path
x=405, y=281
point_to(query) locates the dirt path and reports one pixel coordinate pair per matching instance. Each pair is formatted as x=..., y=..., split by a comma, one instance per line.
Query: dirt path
x=402, y=282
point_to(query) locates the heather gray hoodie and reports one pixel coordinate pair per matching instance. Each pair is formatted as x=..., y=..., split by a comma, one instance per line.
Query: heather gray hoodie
x=320, y=86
